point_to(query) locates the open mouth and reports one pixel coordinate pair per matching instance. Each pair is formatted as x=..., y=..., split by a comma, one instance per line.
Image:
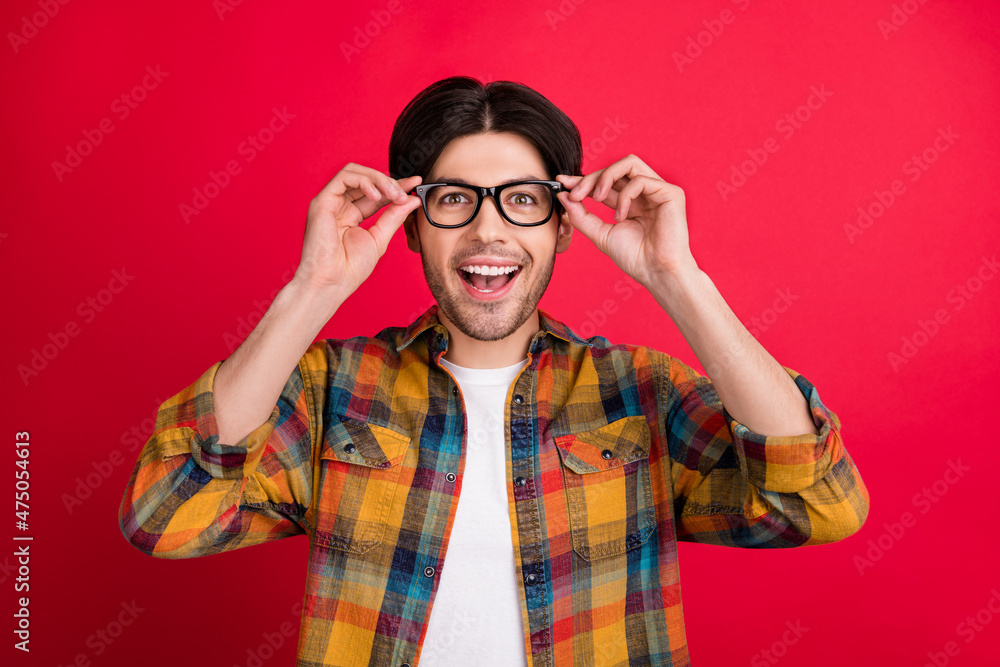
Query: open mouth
x=485, y=280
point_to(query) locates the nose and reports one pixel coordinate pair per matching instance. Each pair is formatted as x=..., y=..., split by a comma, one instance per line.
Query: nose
x=488, y=226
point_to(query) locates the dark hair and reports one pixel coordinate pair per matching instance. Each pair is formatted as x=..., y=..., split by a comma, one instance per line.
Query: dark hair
x=460, y=106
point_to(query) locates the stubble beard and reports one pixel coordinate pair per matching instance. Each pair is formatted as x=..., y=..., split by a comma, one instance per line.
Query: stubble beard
x=486, y=320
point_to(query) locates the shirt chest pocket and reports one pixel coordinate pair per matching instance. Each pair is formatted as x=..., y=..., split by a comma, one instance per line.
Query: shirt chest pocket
x=608, y=492
x=359, y=472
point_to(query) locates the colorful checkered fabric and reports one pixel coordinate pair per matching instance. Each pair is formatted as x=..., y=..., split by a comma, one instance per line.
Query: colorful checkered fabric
x=614, y=453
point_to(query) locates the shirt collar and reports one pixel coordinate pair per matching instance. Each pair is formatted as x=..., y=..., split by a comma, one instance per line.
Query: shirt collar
x=429, y=322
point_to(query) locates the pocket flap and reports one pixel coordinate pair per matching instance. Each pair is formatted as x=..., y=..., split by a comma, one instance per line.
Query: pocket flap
x=360, y=443
x=627, y=439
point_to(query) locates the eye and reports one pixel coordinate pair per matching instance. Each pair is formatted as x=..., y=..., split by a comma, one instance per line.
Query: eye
x=521, y=199
x=451, y=197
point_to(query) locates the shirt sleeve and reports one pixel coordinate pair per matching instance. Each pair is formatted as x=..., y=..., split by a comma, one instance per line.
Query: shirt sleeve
x=739, y=488
x=190, y=495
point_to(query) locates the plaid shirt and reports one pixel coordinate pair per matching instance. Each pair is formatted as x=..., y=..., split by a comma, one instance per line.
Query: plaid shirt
x=614, y=453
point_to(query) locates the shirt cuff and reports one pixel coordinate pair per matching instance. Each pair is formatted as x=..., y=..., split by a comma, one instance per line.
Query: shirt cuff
x=189, y=426
x=789, y=464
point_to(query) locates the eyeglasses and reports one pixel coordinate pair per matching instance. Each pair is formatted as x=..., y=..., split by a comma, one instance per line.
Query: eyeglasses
x=523, y=203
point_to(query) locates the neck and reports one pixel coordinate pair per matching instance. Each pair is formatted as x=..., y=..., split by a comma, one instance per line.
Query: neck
x=473, y=353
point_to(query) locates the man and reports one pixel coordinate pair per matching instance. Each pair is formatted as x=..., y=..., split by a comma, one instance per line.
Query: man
x=485, y=487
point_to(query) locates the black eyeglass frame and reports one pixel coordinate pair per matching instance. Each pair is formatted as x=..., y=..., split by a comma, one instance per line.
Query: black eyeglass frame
x=494, y=192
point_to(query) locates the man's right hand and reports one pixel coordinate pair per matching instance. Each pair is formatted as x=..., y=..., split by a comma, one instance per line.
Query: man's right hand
x=337, y=252
x=337, y=256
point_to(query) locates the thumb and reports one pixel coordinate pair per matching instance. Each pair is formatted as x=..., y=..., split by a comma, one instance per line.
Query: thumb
x=589, y=224
x=390, y=220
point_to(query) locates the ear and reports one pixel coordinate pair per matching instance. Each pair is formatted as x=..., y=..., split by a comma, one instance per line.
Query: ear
x=410, y=229
x=565, y=233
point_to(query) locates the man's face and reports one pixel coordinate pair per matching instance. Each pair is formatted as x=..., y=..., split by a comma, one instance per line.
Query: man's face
x=457, y=261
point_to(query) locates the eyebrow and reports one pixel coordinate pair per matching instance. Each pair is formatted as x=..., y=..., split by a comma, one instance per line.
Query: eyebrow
x=462, y=181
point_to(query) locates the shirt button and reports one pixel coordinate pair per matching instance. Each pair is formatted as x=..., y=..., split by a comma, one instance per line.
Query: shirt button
x=520, y=481
x=428, y=571
x=518, y=399
x=450, y=477
x=530, y=579
x=454, y=391
x=405, y=664
x=350, y=448
x=607, y=454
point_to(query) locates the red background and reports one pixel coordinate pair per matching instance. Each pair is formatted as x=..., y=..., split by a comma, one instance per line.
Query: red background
x=854, y=300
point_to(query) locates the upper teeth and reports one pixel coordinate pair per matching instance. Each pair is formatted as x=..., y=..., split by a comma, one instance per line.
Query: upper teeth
x=490, y=270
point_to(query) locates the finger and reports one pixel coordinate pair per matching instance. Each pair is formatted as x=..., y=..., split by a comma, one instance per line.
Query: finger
x=580, y=218
x=350, y=184
x=609, y=198
x=409, y=183
x=584, y=186
x=568, y=181
x=355, y=191
x=393, y=191
x=626, y=195
x=368, y=191
x=380, y=189
x=599, y=184
x=390, y=221
x=622, y=171
x=628, y=167
x=608, y=195
x=345, y=179
x=390, y=189
x=355, y=181
x=387, y=188
x=655, y=190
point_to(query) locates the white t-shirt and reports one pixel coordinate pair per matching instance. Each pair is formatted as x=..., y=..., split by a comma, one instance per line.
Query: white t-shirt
x=476, y=618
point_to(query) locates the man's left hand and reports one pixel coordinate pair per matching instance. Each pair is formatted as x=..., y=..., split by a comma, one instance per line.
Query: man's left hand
x=649, y=240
